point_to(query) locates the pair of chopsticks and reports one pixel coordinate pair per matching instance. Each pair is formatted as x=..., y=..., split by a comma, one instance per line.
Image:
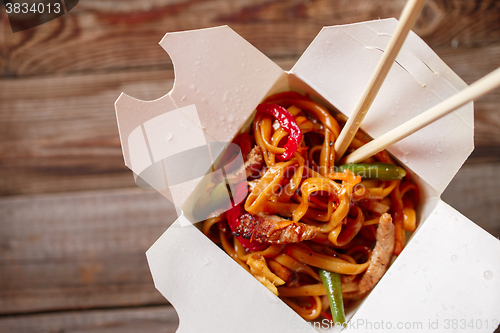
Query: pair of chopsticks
x=474, y=91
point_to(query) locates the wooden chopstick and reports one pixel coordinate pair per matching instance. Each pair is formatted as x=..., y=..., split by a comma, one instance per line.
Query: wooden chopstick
x=476, y=90
x=408, y=17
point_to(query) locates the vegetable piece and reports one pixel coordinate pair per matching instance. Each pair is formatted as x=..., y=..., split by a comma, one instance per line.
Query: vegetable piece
x=233, y=219
x=333, y=288
x=287, y=122
x=219, y=194
x=381, y=171
x=410, y=219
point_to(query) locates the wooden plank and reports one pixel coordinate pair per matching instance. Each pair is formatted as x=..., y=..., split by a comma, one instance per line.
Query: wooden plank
x=79, y=250
x=103, y=35
x=474, y=193
x=60, y=133
x=159, y=319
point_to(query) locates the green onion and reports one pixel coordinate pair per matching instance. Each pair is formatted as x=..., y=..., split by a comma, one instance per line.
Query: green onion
x=333, y=287
x=382, y=171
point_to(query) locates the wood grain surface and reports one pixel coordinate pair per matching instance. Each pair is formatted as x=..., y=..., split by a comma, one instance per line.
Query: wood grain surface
x=102, y=35
x=158, y=319
x=79, y=250
x=73, y=225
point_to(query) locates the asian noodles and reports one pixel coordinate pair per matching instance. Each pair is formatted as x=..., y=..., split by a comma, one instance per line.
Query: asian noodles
x=307, y=220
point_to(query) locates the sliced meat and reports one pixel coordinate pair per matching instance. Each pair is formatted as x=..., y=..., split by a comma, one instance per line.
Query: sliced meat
x=381, y=255
x=273, y=229
x=253, y=164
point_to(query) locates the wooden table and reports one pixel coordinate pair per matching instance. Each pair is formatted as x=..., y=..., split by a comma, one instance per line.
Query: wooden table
x=74, y=227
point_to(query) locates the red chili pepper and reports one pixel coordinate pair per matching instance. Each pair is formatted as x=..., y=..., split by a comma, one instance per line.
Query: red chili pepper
x=287, y=122
x=233, y=216
x=244, y=140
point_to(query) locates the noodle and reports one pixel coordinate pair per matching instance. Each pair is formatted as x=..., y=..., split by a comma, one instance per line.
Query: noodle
x=302, y=215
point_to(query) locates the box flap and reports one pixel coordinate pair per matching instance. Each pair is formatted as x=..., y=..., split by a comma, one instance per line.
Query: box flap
x=153, y=131
x=339, y=63
x=219, y=80
x=223, y=74
x=447, y=278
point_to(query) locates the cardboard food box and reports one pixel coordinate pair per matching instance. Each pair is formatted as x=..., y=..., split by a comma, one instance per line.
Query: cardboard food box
x=447, y=279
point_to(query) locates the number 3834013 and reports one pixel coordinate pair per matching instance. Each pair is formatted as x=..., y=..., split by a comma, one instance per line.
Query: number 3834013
x=33, y=8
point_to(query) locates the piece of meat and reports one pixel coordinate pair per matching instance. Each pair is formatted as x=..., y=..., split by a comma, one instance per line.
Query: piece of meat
x=381, y=254
x=273, y=229
x=254, y=161
x=253, y=164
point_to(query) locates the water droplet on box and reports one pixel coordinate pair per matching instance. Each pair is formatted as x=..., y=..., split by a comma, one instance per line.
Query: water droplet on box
x=454, y=258
x=183, y=97
x=203, y=99
x=401, y=267
x=392, y=113
x=205, y=261
x=169, y=136
x=192, y=86
x=221, y=118
x=488, y=275
x=196, y=63
x=439, y=150
x=426, y=268
x=444, y=307
x=230, y=118
x=225, y=96
x=423, y=299
x=428, y=287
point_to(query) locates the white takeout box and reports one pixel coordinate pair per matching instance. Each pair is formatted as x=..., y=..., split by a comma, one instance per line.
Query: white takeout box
x=447, y=279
